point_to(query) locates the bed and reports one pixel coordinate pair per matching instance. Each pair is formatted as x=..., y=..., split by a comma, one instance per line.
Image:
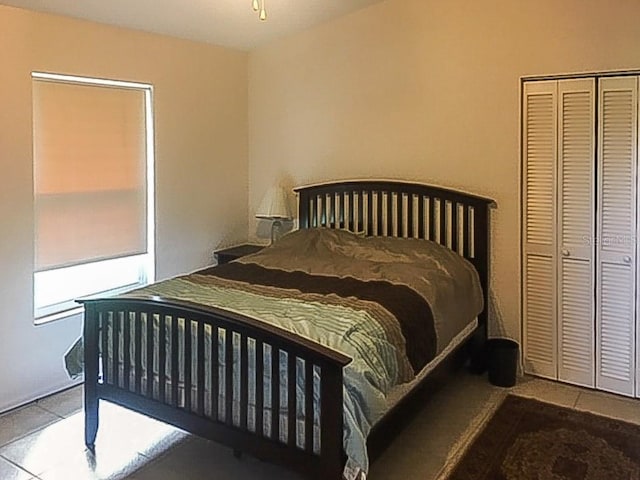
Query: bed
x=257, y=386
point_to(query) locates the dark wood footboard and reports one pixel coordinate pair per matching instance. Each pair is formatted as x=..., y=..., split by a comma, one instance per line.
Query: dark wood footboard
x=135, y=349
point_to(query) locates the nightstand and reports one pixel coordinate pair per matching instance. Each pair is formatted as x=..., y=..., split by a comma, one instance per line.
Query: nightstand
x=228, y=254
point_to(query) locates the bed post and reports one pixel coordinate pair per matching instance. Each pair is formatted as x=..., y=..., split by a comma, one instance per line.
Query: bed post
x=481, y=251
x=91, y=373
x=331, y=426
x=303, y=208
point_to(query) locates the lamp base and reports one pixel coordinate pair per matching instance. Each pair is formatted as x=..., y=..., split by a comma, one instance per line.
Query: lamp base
x=276, y=231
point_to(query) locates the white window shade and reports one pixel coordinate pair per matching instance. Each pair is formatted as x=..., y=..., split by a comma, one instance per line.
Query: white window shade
x=89, y=173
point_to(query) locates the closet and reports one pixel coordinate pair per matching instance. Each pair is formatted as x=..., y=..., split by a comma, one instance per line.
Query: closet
x=579, y=249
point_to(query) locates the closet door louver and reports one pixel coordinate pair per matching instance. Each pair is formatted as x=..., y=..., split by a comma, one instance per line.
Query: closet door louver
x=616, y=251
x=576, y=153
x=539, y=194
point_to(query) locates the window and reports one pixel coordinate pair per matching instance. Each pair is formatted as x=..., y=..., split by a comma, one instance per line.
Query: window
x=93, y=190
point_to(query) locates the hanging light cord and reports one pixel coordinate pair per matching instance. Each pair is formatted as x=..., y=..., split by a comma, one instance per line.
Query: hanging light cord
x=258, y=5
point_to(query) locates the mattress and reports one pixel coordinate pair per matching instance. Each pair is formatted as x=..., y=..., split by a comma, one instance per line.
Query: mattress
x=400, y=391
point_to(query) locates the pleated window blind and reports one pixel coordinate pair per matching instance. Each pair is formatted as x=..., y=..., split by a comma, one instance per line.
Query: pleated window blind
x=89, y=173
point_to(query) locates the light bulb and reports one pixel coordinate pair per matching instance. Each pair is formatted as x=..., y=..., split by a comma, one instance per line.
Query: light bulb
x=263, y=11
x=255, y=5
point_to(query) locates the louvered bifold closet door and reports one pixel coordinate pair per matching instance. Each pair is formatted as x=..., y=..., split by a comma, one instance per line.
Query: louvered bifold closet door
x=576, y=158
x=539, y=232
x=616, y=252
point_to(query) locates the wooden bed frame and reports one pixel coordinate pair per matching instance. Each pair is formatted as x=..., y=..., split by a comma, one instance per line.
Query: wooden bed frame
x=125, y=325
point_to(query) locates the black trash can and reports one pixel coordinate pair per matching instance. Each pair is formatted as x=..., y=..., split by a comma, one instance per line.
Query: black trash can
x=503, y=361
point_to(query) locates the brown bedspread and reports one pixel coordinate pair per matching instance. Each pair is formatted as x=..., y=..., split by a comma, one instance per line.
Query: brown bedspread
x=410, y=310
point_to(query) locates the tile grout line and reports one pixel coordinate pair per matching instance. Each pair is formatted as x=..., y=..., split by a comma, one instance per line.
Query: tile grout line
x=42, y=427
x=18, y=466
x=60, y=417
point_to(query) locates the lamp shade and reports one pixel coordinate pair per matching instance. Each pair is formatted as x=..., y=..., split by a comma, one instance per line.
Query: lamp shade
x=274, y=205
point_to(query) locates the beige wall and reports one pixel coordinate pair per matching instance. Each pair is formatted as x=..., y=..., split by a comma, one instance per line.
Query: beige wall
x=426, y=91
x=408, y=89
x=201, y=165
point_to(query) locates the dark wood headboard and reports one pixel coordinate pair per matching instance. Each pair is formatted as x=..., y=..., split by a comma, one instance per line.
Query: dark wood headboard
x=457, y=220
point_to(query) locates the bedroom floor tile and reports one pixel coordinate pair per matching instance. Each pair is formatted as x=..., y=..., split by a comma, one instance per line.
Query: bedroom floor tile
x=132, y=432
x=9, y=471
x=108, y=465
x=422, y=448
x=154, y=471
x=134, y=447
x=197, y=458
x=22, y=421
x=610, y=405
x=122, y=435
x=64, y=403
x=546, y=391
x=47, y=447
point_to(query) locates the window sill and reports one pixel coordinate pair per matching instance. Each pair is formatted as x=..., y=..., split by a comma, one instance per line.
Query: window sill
x=58, y=316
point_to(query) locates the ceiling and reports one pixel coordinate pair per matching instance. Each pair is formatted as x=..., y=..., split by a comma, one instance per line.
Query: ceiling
x=231, y=23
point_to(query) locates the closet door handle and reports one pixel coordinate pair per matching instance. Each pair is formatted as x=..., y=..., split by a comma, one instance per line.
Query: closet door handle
x=565, y=252
x=626, y=259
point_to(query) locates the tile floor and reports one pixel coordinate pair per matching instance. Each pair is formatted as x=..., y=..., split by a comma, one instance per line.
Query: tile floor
x=44, y=440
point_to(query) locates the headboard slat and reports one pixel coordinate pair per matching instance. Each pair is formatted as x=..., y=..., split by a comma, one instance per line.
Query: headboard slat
x=466, y=217
x=433, y=219
x=378, y=214
x=410, y=217
x=422, y=233
x=360, y=217
x=455, y=235
x=397, y=215
x=442, y=217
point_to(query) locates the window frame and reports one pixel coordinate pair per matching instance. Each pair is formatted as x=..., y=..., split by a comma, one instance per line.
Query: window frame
x=144, y=264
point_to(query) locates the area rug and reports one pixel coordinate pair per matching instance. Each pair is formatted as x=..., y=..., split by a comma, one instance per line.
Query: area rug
x=527, y=439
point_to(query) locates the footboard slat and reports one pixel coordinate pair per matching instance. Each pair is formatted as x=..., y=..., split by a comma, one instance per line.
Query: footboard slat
x=138, y=351
x=244, y=381
x=115, y=338
x=126, y=371
x=215, y=380
x=228, y=377
x=291, y=399
x=175, y=357
x=275, y=393
x=150, y=349
x=308, y=406
x=187, y=364
x=259, y=387
x=201, y=370
x=162, y=359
